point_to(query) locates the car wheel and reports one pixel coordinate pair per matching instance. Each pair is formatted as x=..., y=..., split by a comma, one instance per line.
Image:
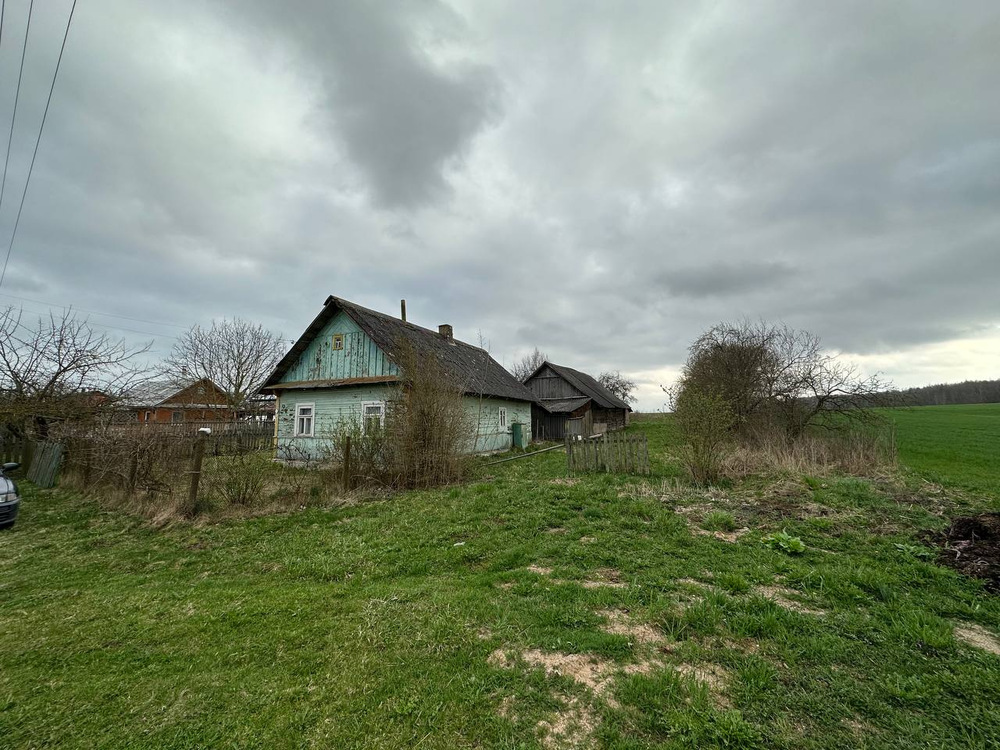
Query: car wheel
x=6, y=525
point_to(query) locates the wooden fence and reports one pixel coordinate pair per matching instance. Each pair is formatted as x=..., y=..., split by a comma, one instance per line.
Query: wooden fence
x=618, y=452
x=226, y=438
x=40, y=459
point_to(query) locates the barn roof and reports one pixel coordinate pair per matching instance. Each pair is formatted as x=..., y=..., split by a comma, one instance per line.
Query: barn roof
x=563, y=405
x=586, y=385
x=472, y=368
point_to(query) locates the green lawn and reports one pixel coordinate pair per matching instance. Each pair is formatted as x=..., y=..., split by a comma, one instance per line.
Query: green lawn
x=953, y=445
x=523, y=610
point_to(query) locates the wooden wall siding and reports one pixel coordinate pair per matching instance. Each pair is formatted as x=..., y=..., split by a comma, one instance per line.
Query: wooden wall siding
x=339, y=406
x=547, y=384
x=332, y=407
x=485, y=417
x=360, y=358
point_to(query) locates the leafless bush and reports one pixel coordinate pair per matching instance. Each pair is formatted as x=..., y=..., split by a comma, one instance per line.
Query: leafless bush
x=424, y=440
x=775, y=378
x=238, y=479
x=705, y=421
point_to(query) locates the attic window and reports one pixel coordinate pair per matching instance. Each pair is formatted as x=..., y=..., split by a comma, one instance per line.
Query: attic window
x=338, y=341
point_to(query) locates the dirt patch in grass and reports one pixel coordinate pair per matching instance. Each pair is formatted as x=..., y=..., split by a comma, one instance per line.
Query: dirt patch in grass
x=978, y=637
x=564, y=481
x=539, y=570
x=780, y=596
x=572, y=727
x=971, y=545
x=555, y=530
x=723, y=536
x=619, y=623
x=605, y=578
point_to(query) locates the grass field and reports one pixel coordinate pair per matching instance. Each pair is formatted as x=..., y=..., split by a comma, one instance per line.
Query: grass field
x=954, y=445
x=523, y=610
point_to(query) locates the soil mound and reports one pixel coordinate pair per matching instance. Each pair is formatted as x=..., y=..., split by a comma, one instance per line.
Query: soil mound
x=971, y=545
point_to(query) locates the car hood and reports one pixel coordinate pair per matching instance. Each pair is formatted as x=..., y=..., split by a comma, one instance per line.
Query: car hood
x=7, y=486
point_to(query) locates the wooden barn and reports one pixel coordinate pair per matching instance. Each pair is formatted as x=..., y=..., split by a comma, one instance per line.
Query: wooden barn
x=570, y=402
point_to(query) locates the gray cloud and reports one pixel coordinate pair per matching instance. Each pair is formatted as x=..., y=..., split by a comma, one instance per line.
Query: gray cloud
x=602, y=181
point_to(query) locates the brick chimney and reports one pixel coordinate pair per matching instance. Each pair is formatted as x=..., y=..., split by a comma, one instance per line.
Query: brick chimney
x=446, y=331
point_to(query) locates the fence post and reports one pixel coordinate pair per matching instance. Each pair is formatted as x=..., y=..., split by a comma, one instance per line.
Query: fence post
x=346, y=479
x=196, y=459
x=133, y=473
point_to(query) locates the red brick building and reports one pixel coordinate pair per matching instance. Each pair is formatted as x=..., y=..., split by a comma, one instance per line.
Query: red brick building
x=195, y=401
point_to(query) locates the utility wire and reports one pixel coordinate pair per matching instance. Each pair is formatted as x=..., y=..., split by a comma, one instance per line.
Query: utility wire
x=95, y=312
x=17, y=96
x=17, y=221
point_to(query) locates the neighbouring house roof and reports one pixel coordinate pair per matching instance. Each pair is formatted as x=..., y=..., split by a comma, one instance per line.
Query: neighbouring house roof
x=585, y=384
x=562, y=405
x=170, y=393
x=471, y=367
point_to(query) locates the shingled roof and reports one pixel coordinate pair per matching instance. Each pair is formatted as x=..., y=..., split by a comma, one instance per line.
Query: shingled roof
x=471, y=367
x=586, y=385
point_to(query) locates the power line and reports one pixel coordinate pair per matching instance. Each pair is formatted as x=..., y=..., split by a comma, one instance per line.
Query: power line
x=94, y=312
x=45, y=114
x=17, y=96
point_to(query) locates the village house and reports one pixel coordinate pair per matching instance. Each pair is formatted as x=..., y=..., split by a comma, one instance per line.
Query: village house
x=346, y=365
x=572, y=403
x=174, y=402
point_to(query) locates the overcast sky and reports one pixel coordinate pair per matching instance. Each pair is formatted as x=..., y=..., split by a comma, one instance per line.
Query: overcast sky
x=601, y=180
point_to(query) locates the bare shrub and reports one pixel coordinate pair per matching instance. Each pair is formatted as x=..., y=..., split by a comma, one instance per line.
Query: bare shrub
x=428, y=428
x=425, y=438
x=775, y=378
x=705, y=421
x=238, y=479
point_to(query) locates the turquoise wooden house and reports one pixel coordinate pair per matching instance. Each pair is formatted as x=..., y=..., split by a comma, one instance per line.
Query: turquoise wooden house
x=344, y=368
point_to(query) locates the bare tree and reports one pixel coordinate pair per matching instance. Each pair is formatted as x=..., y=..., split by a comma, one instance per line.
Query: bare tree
x=236, y=355
x=771, y=376
x=620, y=385
x=59, y=368
x=526, y=365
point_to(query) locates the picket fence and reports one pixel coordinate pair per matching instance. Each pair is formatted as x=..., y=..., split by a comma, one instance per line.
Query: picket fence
x=616, y=452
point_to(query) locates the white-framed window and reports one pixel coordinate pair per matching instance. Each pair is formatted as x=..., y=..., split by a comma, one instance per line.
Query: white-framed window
x=147, y=415
x=502, y=418
x=372, y=416
x=338, y=341
x=304, y=415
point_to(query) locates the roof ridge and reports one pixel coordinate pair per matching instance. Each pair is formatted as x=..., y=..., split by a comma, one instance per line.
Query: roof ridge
x=398, y=321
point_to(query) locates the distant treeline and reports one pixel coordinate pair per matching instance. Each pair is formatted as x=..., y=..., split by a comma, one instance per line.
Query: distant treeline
x=969, y=392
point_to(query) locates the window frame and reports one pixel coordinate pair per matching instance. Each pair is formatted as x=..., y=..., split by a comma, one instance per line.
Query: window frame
x=502, y=418
x=176, y=417
x=311, y=405
x=338, y=338
x=364, y=415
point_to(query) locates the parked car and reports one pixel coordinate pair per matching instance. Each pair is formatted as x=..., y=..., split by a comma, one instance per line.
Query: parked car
x=10, y=501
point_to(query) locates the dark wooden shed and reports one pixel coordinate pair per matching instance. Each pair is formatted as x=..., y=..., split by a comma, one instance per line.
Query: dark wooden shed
x=570, y=402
